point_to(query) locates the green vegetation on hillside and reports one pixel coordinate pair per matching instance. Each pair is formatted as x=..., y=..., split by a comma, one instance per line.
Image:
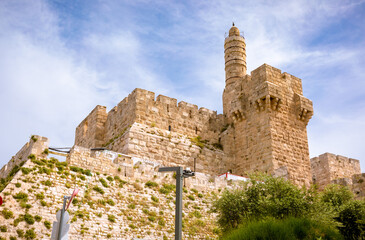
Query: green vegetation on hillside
x=268, y=206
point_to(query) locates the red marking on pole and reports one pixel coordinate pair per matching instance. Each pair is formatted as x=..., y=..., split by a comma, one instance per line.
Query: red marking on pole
x=1, y=201
x=72, y=197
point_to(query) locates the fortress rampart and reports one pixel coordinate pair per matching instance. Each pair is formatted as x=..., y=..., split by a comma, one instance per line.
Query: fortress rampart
x=328, y=167
x=99, y=127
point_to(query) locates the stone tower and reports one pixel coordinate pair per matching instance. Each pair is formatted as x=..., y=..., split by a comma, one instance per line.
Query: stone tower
x=267, y=115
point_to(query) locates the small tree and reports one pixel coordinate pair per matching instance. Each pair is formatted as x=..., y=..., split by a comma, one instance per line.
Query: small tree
x=352, y=217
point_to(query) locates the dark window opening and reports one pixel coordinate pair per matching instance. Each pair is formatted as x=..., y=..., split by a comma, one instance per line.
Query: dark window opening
x=168, y=109
x=169, y=127
x=196, y=130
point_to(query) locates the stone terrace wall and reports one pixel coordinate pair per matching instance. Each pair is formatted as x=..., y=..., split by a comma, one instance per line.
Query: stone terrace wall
x=36, y=146
x=169, y=149
x=128, y=211
x=328, y=167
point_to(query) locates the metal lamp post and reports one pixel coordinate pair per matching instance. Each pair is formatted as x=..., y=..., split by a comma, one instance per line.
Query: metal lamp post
x=180, y=175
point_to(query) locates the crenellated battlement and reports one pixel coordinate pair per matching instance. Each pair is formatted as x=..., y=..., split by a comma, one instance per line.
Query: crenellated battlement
x=141, y=106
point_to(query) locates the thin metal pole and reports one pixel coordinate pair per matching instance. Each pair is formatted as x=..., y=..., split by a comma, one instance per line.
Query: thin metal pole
x=61, y=218
x=178, y=212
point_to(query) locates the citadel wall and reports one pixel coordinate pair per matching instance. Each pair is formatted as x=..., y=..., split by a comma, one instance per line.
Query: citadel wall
x=36, y=146
x=328, y=167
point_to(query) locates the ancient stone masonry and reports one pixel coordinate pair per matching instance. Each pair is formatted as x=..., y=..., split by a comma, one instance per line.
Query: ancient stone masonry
x=35, y=147
x=328, y=168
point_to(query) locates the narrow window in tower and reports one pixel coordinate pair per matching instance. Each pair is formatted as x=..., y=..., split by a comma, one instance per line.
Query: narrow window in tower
x=168, y=108
x=190, y=114
x=169, y=127
x=196, y=130
x=219, y=140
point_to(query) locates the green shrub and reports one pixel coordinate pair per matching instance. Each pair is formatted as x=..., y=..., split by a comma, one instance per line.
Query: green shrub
x=43, y=203
x=132, y=226
x=200, y=195
x=46, y=151
x=25, y=170
x=30, y=234
x=151, y=218
x=12, y=238
x=34, y=138
x=191, y=197
x=352, y=218
x=7, y=213
x=289, y=229
x=18, y=185
x=103, y=182
x=21, y=196
x=154, y=198
x=261, y=197
x=31, y=157
x=47, y=183
x=20, y=233
x=151, y=184
x=161, y=221
x=197, y=214
x=336, y=195
x=109, y=178
x=98, y=189
x=40, y=196
x=29, y=219
x=167, y=188
x=47, y=224
x=37, y=218
x=110, y=202
x=111, y=218
x=3, y=228
x=131, y=206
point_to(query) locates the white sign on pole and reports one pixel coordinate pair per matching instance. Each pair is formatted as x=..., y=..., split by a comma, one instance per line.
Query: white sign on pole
x=65, y=226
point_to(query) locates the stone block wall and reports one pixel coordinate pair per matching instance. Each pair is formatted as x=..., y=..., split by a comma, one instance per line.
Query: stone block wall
x=100, y=128
x=328, y=167
x=91, y=131
x=269, y=123
x=36, y=146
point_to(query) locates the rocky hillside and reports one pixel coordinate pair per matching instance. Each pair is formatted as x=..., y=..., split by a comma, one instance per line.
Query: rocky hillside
x=107, y=207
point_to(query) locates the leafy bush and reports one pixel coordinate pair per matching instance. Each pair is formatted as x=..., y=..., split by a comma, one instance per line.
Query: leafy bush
x=3, y=228
x=7, y=213
x=154, y=198
x=151, y=184
x=103, y=182
x=20, y=233
x=30, y=234
x=47, y=224
x=191, y=197
x=37, y=218
x=167, y=188
x=111, y=218
x=131, y=206
x=336, y=195
x=18, y=185
x=257, y=199
x=111, y=202
x=21, y=196
x=26, y=170
x=109, y=178
x=29, y=219
x=352, y=217
x=288, y=229
x=40, y=196
x=98, y=189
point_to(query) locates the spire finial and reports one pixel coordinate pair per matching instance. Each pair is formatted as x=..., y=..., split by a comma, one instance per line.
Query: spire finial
x=232, y=24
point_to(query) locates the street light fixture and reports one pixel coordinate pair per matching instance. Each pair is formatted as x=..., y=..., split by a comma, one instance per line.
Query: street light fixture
x=180, y=175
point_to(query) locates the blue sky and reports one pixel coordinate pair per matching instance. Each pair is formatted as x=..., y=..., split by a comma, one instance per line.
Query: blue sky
x=58, y=59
